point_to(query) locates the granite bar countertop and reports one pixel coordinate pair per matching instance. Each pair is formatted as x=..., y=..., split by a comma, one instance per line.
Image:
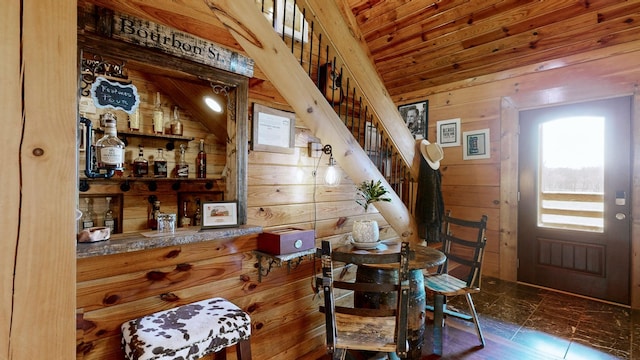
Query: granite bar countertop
x=122, y=243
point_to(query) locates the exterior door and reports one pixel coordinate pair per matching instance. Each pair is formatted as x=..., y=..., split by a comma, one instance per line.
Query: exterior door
x=574, y=209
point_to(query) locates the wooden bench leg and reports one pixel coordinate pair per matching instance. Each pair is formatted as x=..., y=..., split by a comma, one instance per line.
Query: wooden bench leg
x=243, y=348
x=220, y=355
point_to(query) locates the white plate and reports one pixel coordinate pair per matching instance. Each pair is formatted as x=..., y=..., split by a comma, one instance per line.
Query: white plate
x=365, y=245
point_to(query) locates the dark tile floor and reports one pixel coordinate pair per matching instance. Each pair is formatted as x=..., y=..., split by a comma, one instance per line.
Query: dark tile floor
x=540, y=324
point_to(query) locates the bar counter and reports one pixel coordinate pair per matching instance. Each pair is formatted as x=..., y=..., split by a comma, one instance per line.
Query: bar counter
x=129, y=242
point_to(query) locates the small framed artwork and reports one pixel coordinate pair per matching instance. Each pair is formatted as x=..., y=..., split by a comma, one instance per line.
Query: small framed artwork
x=448, y=132
x=219, y=214
x=273, y=130
x=477, y=144
x=415, y=117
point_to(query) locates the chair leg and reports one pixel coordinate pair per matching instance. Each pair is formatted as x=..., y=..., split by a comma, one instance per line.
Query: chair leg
x=438, y=319
x=243, y=348
x=472, y=308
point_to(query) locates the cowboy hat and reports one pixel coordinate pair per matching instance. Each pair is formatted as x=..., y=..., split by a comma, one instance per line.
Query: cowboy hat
x=432, y=152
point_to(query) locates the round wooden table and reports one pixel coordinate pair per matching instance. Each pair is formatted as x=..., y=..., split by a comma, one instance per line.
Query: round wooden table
x=422, y=257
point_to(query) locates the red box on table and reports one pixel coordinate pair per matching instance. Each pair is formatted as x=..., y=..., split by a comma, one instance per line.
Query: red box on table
x=286, y=241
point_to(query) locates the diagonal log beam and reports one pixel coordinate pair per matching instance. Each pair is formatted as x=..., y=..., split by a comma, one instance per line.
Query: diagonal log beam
x=250, y=29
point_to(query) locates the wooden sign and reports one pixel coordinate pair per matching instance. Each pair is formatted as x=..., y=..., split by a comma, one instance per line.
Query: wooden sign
x=151, y=35
x=112, y=95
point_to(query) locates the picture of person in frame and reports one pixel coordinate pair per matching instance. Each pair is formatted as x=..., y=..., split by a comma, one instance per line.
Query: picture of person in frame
x=414, y=116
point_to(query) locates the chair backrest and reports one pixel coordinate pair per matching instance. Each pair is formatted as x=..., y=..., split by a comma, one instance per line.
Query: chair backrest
x=463, y=242
x=346, y=293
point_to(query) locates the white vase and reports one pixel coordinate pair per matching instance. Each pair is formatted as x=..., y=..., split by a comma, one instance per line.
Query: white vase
x=366, y=231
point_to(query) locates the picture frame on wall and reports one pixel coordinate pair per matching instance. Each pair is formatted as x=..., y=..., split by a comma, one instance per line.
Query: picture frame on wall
x=415, y=118
x=219, y=214
x=448, y=132
x=273, y=130
x=476, y=145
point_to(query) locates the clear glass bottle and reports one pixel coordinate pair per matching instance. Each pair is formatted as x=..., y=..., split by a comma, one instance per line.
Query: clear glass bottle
x=201, y=162
x=88, y=217
x=135, y=120
x=109, y=149
x=109, y=220
x=153, y=215
x=158, y=116
x=197, y=217
x=176, y=124
x=140, y=164
x=160, y=165
x=185, y=220
x=182, y=168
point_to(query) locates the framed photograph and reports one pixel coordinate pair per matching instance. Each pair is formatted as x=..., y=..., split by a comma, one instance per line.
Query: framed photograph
x=288, y=18
x=448, y=132
x=219, y=214
x=273, y=130
x=477, y=144
x=415, y=117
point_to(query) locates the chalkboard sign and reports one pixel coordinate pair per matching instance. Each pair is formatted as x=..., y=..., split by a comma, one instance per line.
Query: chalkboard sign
x=112, y=95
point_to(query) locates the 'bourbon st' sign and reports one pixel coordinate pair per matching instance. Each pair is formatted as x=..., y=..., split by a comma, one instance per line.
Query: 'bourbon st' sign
x=151, y=35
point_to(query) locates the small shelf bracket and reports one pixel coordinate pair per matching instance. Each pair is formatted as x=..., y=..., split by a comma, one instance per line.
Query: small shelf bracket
x=293, y=261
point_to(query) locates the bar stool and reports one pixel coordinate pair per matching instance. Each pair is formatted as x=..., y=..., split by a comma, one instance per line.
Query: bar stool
x=189, y=332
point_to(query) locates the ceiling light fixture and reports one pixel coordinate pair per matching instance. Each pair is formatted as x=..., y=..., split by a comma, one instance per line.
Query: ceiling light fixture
x=212, y=104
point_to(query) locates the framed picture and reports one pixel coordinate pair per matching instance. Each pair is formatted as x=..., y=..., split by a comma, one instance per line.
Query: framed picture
x=288, y=18
x=415, y=117
x=219, y=214
x=448, y=132
x=477, y=144
x=273, y=130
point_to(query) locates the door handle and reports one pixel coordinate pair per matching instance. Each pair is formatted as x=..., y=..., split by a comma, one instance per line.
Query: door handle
x=620, y=216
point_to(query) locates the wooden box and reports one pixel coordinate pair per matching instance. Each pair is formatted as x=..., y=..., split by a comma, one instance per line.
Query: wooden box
x=286, y=241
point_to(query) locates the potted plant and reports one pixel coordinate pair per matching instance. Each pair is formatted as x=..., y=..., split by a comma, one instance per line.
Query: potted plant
x=368, y=192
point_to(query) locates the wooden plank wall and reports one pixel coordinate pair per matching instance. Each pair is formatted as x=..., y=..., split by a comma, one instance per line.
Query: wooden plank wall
x=472, y=188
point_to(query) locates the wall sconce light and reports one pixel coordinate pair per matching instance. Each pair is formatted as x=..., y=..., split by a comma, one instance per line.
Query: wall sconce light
x=331, y=176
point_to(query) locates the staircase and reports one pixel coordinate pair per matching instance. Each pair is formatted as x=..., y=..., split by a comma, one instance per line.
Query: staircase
x=321, y=69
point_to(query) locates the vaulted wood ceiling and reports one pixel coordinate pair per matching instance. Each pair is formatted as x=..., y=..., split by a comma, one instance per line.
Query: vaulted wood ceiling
x=420, y=44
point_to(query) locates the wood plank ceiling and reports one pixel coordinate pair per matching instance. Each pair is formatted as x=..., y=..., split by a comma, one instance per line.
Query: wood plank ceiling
x=421, y=44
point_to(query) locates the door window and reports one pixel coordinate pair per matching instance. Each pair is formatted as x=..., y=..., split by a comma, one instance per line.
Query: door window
x=571, y=180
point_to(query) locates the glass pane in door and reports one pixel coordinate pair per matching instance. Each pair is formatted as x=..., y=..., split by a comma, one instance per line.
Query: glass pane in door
x=571, y=174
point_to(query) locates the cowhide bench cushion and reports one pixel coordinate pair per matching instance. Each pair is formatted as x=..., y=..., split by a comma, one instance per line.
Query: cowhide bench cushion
x=186, y=332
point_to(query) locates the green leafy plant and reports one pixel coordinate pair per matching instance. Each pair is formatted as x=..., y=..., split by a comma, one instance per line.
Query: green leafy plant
x=370, y=192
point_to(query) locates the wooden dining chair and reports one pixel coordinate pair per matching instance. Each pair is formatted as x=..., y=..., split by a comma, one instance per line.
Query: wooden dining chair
x=463, y=242
x=350, y=326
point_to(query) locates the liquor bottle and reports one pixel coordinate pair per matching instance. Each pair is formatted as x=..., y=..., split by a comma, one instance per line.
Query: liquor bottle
x=185, y=220
x=160, y=166
x=109, y=220
x=153, y=216
x=88, y=216
x=201, y=162
x=197, y=217
x=176, y=124
x=158, y=116
x=135, y=119
x=109, y=149
x=182, y=169
x=140, y=164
